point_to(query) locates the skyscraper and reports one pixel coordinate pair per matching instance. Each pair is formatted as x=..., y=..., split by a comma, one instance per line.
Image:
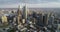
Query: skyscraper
x=45, y=19
x=18, y=15
x=51, y=19
x=40, y=19
x=18, y=11
x=4, y=19
x=25, y=12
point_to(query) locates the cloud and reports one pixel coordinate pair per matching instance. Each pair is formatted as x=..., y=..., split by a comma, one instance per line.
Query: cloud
x=26, y=1
x=41, y=5
x=29, y=3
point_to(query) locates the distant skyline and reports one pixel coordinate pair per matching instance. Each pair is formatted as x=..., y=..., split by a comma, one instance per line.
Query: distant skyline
x=30, y=3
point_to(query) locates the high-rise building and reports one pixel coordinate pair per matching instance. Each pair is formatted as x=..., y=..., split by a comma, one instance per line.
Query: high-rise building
x=34, y=14
x=45, y=19
x=51, y=19
x=23, y=21
x=40, y=19
x=4, y=19
x=25, y=12
x=19, y=11
x=18, y=15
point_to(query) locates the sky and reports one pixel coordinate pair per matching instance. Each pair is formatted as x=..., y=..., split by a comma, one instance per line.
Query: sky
x=30, y=3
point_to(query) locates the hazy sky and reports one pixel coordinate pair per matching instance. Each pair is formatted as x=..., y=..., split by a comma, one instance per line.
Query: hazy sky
x=29, y=3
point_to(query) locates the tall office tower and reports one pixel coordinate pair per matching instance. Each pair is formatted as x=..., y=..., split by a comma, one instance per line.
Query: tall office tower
x=4, y=19
x=18, y=15
x=51, y=19
x=25, y=12
x=40, y=19
x=34, y=14
x=18, y=11
x=45, y=19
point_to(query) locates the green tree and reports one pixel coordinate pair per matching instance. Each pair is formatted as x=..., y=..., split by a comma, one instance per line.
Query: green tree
x=11, y=30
